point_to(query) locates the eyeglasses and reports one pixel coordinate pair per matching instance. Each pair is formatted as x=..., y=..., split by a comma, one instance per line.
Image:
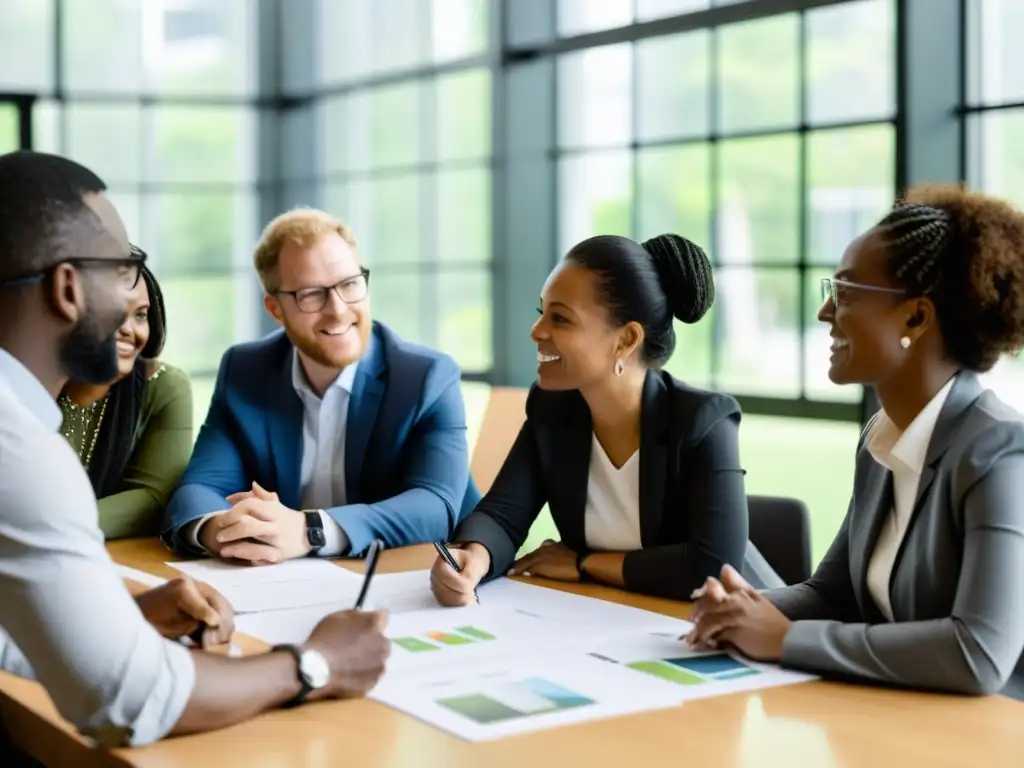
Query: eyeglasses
x=129, y=269
x=835, y=289
x=351, y=290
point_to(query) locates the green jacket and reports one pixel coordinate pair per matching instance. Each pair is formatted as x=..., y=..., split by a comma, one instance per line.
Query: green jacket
x=163, y=446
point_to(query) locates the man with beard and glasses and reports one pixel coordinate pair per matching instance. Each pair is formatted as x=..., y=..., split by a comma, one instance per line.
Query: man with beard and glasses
x=112, y=664
x=329, y=434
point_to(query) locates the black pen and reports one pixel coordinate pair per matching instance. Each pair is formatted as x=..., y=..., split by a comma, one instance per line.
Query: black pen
x=371, y=565
x=442, y=550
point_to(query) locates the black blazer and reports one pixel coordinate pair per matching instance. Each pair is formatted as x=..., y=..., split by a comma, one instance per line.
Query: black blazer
x=693, y=505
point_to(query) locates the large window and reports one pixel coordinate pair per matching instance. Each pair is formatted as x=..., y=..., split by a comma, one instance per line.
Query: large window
x=158, y=98
x=995, y=130
x=397, y=104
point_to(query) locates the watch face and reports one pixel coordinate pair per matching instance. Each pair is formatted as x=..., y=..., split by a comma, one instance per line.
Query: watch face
x=316, y=537
x=315, y=668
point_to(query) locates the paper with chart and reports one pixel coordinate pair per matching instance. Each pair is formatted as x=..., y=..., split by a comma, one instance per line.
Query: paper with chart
x=504, y=697
x=293, y=584
x=530, y=689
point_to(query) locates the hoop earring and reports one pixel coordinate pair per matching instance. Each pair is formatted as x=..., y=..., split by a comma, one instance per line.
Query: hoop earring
x=905, y=342
x=619, y=367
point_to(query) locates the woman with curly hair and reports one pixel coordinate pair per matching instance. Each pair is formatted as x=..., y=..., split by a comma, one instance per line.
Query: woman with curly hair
x=924, y=584
x=133, y=435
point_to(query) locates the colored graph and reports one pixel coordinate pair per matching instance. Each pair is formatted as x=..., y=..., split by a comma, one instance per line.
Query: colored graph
x=436, y=640
x=514, y=700
x=695, y=670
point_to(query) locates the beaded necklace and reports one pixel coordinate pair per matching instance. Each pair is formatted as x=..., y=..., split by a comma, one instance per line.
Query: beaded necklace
x=84, y=418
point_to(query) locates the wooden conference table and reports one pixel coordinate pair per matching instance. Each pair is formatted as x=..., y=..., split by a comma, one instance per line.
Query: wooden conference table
x=815, y=724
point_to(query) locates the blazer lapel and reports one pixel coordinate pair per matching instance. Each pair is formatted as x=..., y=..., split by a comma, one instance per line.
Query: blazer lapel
x=655, y=415
x=284, y=433
x=874, y=500
x=571, y=461
x=367, y=393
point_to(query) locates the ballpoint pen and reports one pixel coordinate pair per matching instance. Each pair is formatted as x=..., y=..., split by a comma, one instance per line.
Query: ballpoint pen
x=442, y=550
x=371, y=566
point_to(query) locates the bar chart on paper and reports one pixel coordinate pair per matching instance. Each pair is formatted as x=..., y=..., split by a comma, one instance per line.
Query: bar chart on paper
x=435, y=640
x=695, y=670
x=514, y=700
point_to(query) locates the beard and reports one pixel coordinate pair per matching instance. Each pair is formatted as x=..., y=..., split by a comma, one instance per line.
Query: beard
x=88, y=353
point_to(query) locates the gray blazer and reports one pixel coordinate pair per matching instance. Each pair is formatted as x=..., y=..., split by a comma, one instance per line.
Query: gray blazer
x=957, y=586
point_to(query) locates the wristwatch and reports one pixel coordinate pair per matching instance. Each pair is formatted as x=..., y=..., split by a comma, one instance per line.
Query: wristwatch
x=314, y=531
x=313, y=670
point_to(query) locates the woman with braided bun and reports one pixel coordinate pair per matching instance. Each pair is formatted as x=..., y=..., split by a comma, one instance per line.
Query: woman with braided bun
x=924, y=584
x=641, y=472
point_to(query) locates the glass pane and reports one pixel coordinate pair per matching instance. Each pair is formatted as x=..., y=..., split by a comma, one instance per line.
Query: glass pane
x=26, y=45
x=385, y=215
x=463, y=215
x=336, y=134
x=45, y=135
x=657, y=9
x=106, y=139
x=691, y=362
x=758, y=67
x=337, y=197
x=304, y=194
x=594, y=97
x=674, y=192
x=207, y=47
x=759, y=205
x=464, y=327
x=577, y=17
x=758, y=331
x=673, y=79
x=995, y=71
x=817, y=347
x=809, y=459
x=202, y=144
x=384, y=127
x=996, y=160
x=1007, y=381
x=198, y=230
x=851, y=184
x=464, y=115
x=851, y=62
x=595, y=193
x=396, y=301
x=459, y=28
x=345, y=42
x=206, y=315
x=400, y=33
x=202, y=394
x=10, y=135
x=102, y=45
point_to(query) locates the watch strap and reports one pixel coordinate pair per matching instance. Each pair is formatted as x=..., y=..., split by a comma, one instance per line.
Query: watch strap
x=314, y=530
x=304, y=686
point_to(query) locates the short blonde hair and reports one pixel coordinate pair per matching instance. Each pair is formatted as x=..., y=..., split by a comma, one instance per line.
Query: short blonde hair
x=302, y=226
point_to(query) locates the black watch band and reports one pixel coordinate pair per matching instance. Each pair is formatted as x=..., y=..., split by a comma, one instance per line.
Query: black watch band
x=304, y=686
x=584, y=576
x=314, y=531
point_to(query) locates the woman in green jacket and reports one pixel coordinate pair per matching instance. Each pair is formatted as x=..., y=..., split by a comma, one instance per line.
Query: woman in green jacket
x=134, y=435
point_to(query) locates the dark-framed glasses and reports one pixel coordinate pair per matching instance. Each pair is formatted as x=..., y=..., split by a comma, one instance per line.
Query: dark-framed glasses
x=351, y=290
x=836, y=289
x=128, y=269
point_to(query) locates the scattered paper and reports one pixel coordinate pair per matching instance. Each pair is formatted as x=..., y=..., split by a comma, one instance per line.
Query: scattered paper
x=293, y=584
x=401, y=592
x=140, y=577
x=503, y=697
x=292, y=626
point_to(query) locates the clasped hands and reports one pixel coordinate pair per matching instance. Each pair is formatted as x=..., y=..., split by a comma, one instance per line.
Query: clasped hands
x=730, y=612
x=258, y=529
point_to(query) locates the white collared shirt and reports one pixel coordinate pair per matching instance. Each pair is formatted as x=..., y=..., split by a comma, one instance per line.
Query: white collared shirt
x=106, y=668
x=322, y=477
x=903, y=454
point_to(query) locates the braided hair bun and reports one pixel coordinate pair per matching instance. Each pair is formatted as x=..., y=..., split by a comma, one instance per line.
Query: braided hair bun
x=684, y=272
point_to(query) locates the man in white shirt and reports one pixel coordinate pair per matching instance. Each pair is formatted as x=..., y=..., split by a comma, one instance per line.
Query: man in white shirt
x=66, y=617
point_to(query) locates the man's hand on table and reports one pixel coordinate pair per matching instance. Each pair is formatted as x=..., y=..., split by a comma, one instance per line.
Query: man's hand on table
x=184, y=607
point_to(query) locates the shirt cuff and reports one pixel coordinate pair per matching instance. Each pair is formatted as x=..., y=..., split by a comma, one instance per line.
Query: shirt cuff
x=192, y=529
x=336, y=541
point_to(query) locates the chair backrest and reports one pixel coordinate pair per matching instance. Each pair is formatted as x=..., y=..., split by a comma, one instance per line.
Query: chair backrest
x=780, y=528
x=506, y=412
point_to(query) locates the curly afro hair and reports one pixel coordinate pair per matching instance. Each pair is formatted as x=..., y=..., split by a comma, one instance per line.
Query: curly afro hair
x=965, y=251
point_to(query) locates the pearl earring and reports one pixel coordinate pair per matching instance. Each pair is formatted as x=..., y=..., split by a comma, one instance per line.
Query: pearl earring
x=619, y=367
x=905, y=342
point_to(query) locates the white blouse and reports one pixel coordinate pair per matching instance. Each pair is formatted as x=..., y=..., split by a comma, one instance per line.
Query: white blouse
x=612, y=517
